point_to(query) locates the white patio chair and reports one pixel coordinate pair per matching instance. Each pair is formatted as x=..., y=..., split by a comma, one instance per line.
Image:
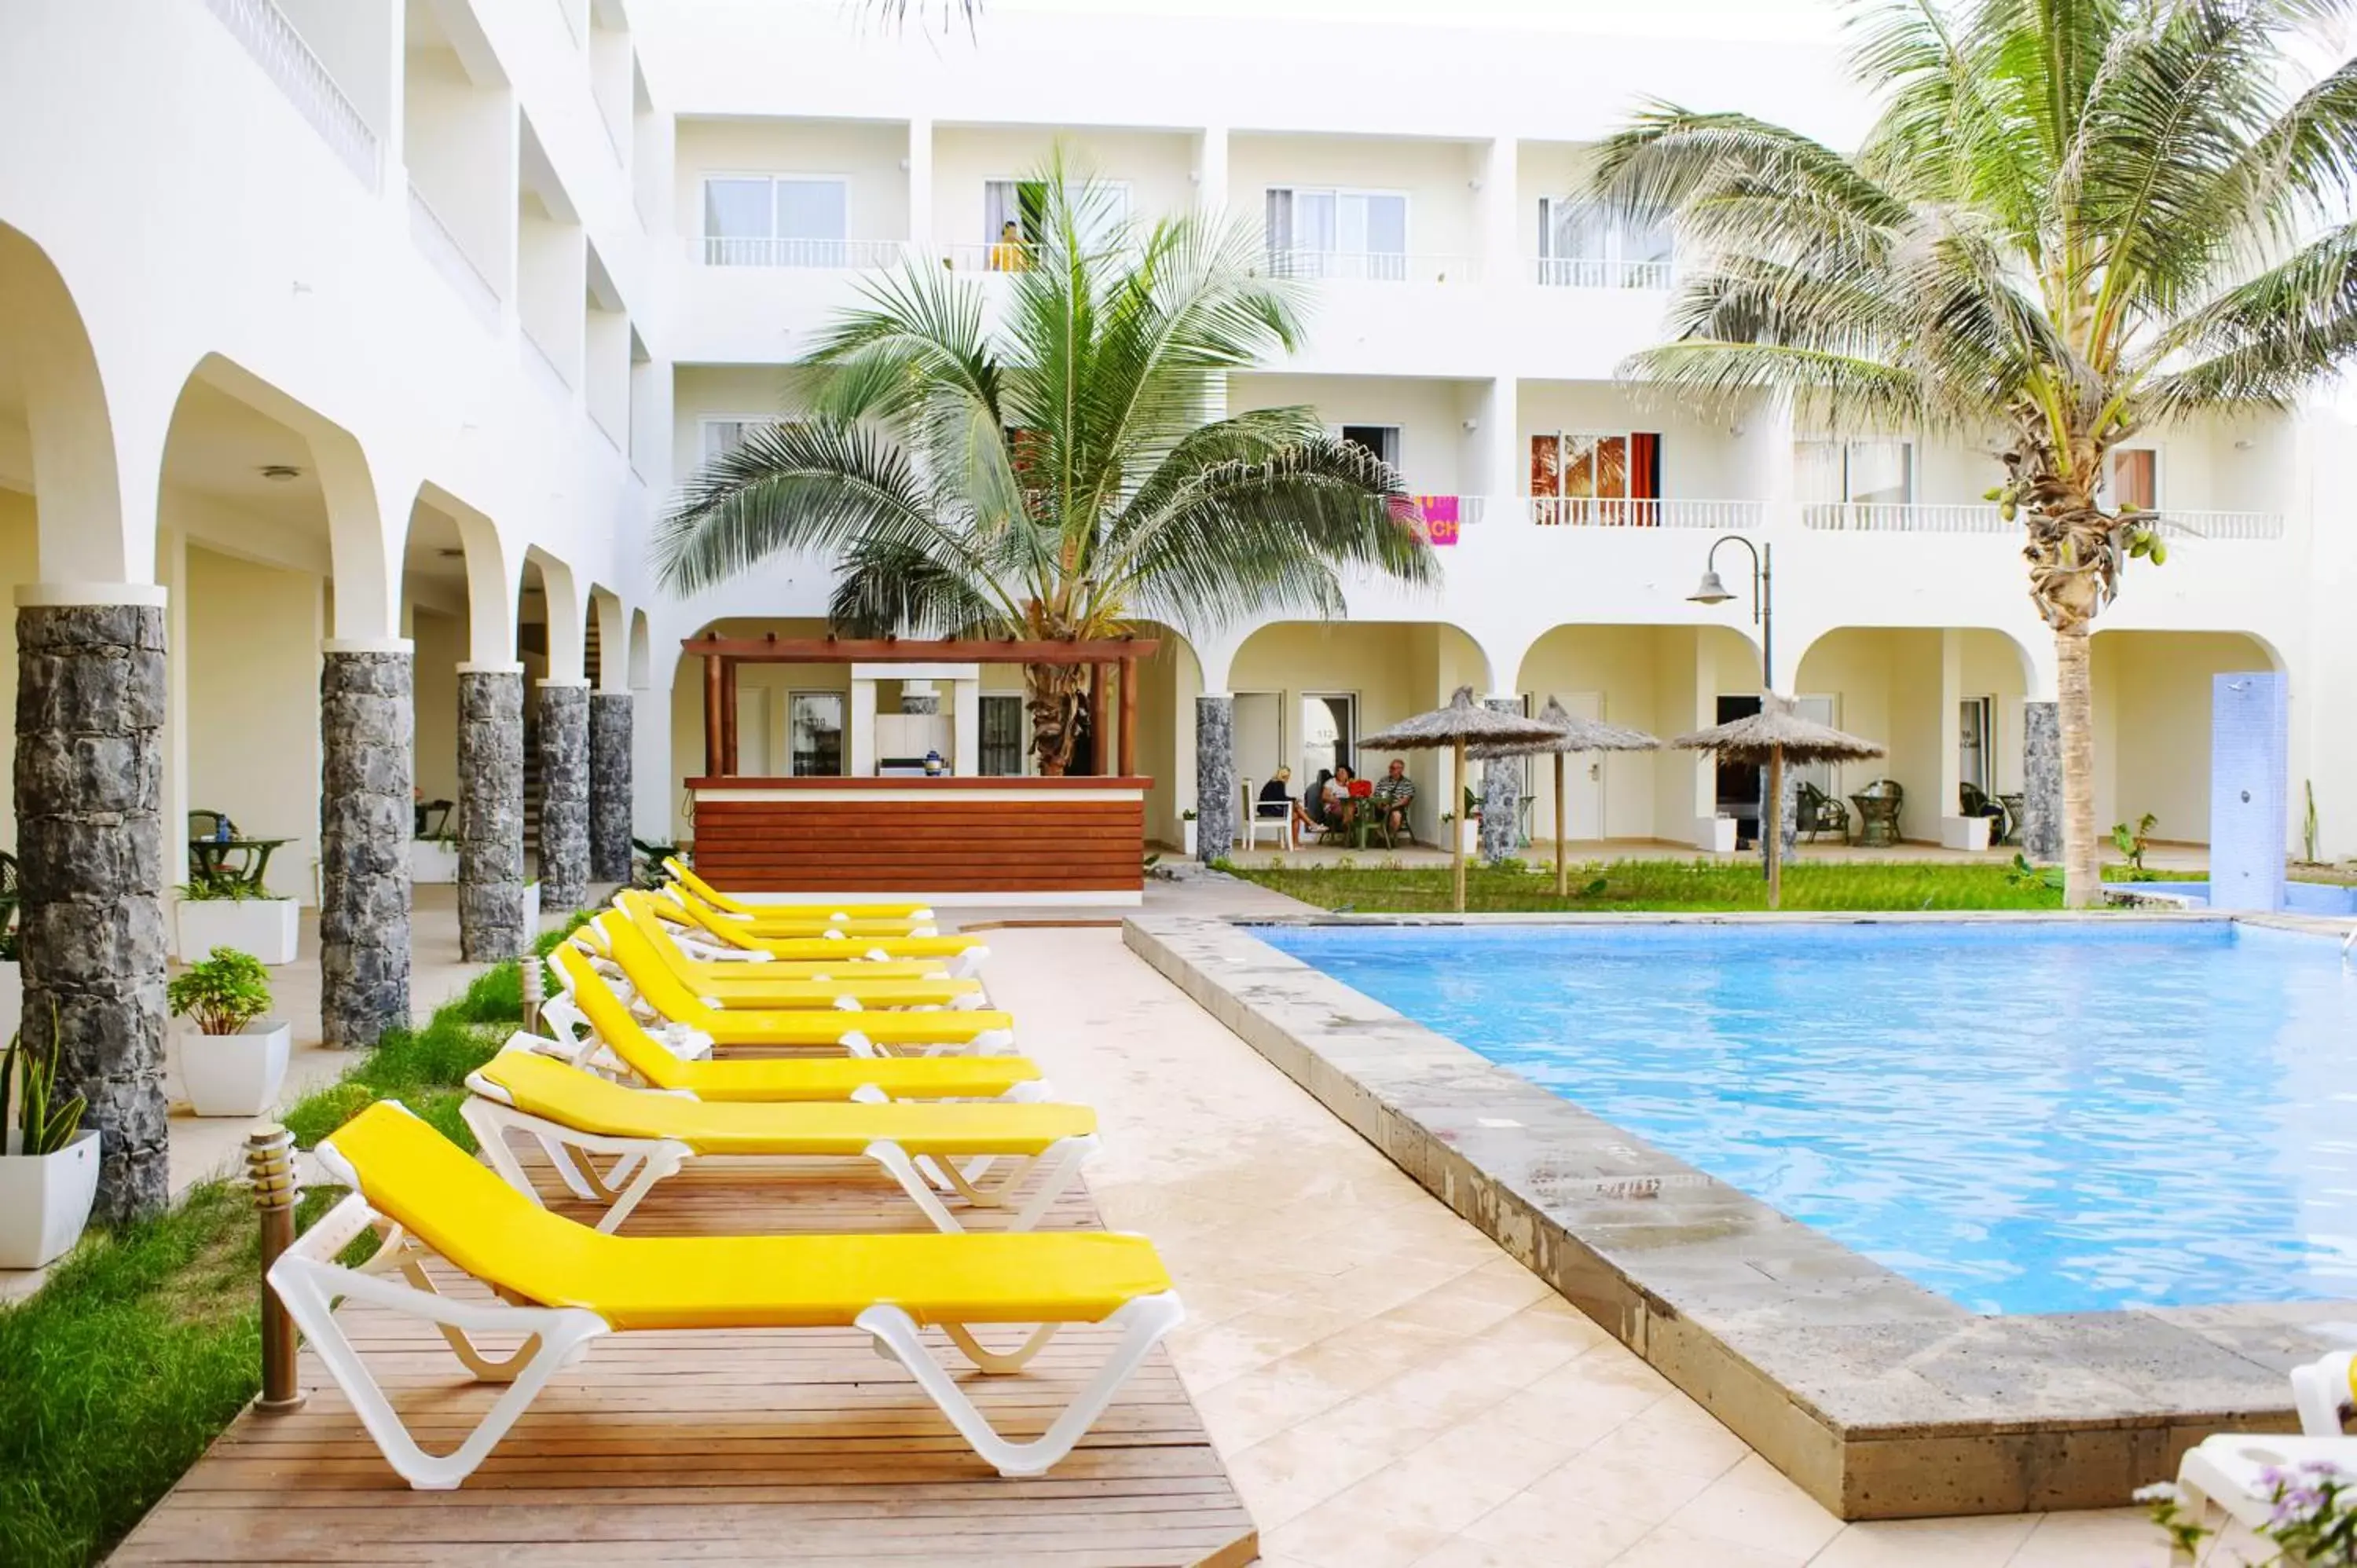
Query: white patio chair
x=1280, y=828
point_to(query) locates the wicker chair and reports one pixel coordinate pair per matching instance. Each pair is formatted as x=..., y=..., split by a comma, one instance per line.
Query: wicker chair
x=1821, y=813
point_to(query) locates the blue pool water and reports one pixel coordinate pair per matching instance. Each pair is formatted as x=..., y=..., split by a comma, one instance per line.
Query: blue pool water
x=2051, y=1118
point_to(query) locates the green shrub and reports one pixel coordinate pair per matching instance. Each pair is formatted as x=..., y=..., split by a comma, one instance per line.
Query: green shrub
x=224, y=994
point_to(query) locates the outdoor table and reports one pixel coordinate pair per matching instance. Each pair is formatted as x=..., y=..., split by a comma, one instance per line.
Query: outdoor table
x=1878, y=820
x=209, y=859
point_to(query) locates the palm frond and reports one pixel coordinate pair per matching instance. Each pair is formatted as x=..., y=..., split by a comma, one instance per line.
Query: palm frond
x=2260, y=344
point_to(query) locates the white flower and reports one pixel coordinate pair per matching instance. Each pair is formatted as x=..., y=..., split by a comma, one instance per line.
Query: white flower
x=2158, y=1492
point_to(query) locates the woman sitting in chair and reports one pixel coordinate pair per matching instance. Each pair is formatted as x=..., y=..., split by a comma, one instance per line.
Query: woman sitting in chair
x=1276, y=801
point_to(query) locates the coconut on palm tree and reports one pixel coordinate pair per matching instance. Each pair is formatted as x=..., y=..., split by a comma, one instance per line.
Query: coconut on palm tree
x=1053, y=464
x=2073, y=220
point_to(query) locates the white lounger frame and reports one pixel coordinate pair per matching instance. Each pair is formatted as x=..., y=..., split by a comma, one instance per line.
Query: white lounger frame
x=639, y=1162
x=2319, y=1390
x=310, y=1281
x=2226, y=1470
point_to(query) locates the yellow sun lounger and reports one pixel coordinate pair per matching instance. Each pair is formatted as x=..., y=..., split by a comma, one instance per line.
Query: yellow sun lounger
x=729, y=933
x=559, y=1284
x=854, y=959
x=927, y=1030
x=737, y=986
x=798, y=909
x=620, y=1041
x=573, y=1114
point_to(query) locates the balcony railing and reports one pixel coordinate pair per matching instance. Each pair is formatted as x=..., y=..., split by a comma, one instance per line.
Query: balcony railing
x=1370, y=267
x=434, y=237
x=1604, y=511
x=1893, y=517
x=2181, y=524
x=1598, y=271
x=279, y=49
x=825, y=255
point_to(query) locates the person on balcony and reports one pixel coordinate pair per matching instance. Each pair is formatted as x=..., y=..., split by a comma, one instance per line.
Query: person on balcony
x=1010, y=254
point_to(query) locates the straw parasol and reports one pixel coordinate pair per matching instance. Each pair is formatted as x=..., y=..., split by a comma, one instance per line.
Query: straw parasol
x=1461, y=721
x=1572, y=734
x=1771, y=734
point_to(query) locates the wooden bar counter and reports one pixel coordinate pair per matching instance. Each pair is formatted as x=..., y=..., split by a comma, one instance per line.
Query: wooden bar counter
x=1071, y=840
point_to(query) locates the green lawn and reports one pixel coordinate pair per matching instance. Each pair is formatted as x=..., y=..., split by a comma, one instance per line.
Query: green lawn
x=146, y=1341
x=1661, y=886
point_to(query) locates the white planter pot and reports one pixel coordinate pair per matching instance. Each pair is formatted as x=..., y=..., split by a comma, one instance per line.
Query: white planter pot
x=1187, y=837
x=235, y=1075
x=1469, y=833
x=1718, y=835
x=433, y=860
x=531, y=914
x=262, y=927
x=45, y=1202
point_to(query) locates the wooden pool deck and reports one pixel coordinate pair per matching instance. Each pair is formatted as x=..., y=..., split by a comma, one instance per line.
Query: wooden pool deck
x=717, y=1448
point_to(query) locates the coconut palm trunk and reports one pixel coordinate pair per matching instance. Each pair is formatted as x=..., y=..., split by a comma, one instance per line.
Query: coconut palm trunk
x=2082, y=865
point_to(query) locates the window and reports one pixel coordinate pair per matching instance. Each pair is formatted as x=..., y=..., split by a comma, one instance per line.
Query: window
x=1382, y=440
x=1015, y=219
x=1580, y=248
x=2136, y=477
x=1582, y=477
x=1336, y=233
x=1874, y=473
x=814, y=725
x=774, y=220
x=1003, y=740
x=722, y=436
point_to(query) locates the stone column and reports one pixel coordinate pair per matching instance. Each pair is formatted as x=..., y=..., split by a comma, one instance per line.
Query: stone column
x=490, y=812
x=564, y=794
x=2041, y=781
x=90, y=692
x=367, y=816
x=1789, y=823
x=1215, y=777
x=1500, y=794
x=609, y=787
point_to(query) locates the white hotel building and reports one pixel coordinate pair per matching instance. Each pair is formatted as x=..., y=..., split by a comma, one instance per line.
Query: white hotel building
x=342, y=331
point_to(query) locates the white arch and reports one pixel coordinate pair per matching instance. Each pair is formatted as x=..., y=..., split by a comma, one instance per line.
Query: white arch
x=561, y=601
x=641, y=657
x=492, y=580
x=612, y=673
x=79, y=474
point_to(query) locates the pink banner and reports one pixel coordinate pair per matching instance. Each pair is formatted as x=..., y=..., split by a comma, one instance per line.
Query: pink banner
x=1439, y=517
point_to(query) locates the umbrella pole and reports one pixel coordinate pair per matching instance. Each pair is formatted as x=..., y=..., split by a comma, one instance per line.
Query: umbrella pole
x=1562, y=878
x=1456, y=839
x=1775, y=825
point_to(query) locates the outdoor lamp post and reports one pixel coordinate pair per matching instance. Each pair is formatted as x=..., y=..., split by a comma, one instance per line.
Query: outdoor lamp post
x=1763, y=600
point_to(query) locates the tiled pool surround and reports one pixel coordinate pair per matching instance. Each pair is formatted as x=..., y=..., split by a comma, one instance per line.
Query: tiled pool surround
x=1882, y=1398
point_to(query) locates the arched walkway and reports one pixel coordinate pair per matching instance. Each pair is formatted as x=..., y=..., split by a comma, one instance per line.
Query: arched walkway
x=2152, y=691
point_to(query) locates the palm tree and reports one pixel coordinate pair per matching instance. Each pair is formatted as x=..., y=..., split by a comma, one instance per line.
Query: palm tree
x=1062, y=473
x=2072, y=220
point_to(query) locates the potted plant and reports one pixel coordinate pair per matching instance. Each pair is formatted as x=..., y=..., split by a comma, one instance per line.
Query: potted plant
x=1187, y=832
x=433, y=857
x=231, y=912
x=233, y=1059
x=48, y=1163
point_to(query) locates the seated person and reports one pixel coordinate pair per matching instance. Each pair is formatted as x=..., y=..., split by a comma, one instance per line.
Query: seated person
x=1312, y=806
x=1342, y=806
x=1394, y=793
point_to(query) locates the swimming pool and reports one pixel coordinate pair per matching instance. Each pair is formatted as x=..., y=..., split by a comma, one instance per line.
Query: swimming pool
x=2023, y=1117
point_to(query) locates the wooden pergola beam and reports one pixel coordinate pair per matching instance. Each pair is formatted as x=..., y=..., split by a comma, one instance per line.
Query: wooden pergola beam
x=904, y=650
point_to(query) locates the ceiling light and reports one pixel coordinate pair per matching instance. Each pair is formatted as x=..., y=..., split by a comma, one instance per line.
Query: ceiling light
x=451, y=553
x=280, y=473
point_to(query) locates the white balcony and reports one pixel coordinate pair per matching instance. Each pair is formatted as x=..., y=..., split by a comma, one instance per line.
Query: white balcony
x=287, y=61
x=2179, y=524
x=1594, y=512
x=1598, y=271
x=1371, y=266
x=1893, y=517
x=432, y=237
x=841, y=255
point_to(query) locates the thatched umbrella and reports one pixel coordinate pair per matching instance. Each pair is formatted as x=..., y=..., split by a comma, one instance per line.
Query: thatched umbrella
x=1461, y=721
x=1771, y=734
x=1572, y=734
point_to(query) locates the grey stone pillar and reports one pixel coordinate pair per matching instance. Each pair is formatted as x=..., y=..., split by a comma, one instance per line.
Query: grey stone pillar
x=2041, y=780
x=564, y=795
x=490, y=813
x=367, y=714
x=609, y=787
x=1501, y=785
x=1215, y=777
x=90, y=785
